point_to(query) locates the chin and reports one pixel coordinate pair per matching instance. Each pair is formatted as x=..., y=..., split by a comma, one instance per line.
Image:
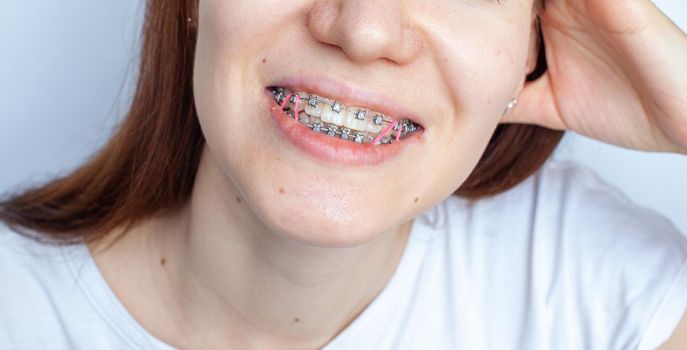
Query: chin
x=323, y=223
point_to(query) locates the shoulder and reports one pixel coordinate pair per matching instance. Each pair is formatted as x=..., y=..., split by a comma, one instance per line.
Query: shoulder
x=565, y=202
x=614, y=270
x=566, y=198
x=572, y=187
x=29, y=270
x=21, y=255
x=54, y=294
x=605, y=227
x=37, y=289
x=631, y=261
x=579, y=204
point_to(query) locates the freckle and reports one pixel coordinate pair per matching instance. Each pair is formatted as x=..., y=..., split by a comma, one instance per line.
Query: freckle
x=296, y=319
x=264, y=60
x=163, y=261
x=489, y=102
x=281, y=190
x=416, y=199
x=238, y=199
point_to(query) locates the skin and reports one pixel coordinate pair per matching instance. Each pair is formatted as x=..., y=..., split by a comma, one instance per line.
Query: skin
x=279, y=250
x=626, y=51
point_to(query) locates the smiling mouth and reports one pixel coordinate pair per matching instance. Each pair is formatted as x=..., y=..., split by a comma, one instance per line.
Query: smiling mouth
x=355, y=124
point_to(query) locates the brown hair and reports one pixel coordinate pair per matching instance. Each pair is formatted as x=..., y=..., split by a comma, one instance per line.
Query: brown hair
x=149, y=164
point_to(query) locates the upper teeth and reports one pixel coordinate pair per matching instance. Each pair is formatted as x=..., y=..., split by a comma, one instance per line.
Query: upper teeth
x=334, y=112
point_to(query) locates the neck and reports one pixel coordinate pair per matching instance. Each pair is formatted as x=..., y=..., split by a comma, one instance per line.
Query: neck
x=221, y=276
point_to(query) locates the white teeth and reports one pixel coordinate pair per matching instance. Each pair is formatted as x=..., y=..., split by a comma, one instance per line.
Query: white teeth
x=330, y=115
x=334, y=112
x=350, y=120
x=373, y=127
x=349, y=117
x=303, y=118
x=314, y=105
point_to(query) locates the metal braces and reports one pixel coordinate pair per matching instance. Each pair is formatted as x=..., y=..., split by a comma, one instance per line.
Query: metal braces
x=332, y=130
x=312, y=101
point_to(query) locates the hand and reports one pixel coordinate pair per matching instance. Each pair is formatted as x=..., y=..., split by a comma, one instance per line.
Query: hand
x=617, y=72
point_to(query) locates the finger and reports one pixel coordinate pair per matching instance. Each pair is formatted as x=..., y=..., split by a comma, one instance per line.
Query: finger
x=536, y=105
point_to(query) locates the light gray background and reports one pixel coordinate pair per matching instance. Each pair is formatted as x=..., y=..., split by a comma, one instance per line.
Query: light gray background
x=66, y=72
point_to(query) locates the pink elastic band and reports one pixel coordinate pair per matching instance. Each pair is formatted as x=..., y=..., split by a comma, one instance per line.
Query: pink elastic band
x=298, y=100
x=385, y=131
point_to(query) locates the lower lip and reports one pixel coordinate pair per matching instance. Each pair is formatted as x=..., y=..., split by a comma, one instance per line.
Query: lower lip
x=333, y=149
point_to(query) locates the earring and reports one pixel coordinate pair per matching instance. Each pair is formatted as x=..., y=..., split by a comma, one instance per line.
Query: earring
x=511, y=105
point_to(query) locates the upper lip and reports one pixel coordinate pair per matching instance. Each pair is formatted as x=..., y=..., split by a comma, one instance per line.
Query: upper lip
x=350, y=95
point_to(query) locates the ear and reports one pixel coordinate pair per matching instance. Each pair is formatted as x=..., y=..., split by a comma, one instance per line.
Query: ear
x=536, y=101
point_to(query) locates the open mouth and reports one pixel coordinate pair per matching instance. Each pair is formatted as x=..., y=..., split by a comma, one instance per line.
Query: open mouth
x=356, y=124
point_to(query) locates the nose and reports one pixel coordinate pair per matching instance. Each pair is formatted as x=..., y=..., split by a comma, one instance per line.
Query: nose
x=365, y=30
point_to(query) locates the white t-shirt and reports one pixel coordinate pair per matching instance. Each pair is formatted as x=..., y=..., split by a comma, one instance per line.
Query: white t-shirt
x=562, y=261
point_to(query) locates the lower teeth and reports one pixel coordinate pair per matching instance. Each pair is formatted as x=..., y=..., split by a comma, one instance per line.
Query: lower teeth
x=317, y=125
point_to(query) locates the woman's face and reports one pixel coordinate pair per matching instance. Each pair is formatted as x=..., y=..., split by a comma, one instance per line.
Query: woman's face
x=453, y=65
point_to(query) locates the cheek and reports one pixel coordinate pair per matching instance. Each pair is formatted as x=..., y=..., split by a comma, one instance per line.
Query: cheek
x=483, y=66
x=236, y=24
x=224, y=73
x=481, y=73
x=484, y=80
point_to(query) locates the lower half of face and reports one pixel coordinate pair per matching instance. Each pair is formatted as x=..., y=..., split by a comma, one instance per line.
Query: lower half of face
x=316, y=179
